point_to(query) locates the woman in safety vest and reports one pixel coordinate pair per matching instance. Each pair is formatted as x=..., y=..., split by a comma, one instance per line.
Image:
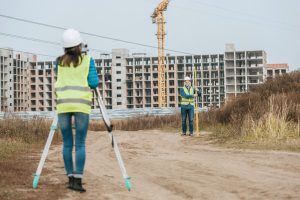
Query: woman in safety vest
x=76, y=76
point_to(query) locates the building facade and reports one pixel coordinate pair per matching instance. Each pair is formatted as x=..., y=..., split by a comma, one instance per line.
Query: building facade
x=14, y=78
x=274, y=70
x=41, y=86
x=6, y=78
x=244, y=69
x=131, y=81
x=206, y=71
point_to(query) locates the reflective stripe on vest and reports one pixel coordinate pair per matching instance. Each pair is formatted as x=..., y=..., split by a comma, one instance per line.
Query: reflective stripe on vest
x=79, y=88
x=188, y=101
x=60, y=101
x=72, y=90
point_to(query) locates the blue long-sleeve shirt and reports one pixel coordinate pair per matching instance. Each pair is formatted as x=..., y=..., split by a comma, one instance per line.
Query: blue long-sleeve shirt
x=93, y=79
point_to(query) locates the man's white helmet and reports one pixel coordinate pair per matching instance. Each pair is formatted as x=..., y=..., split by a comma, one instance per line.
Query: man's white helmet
x=71, y=38
x=187, y=78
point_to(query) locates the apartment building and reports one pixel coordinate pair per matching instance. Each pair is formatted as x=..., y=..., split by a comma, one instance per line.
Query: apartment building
x=274, y=70
x=142, y=79
x=14, y=78
x=6, y=77
x=131, y=81
x=41, y=86
x=243, y=70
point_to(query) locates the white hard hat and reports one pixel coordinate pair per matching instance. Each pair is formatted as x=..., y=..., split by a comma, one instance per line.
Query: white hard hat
x=187, y=78
x=71, y=38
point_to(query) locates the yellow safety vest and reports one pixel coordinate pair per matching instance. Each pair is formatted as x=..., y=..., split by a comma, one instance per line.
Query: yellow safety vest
x=72, y=90
x=188, y=101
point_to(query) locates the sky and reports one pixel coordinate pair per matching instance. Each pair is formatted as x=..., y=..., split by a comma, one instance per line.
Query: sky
x=193, y=26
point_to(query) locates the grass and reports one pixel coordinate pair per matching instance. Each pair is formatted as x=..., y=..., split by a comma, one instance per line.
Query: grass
x=21, y=142
x=256, y=101
x=273, y=125
x=18, y=135
x=267, y=117
x=9, y=147
x=147, y=122
x=27, y=131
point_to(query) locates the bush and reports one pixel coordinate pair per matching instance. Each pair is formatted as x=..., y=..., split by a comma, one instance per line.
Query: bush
x=270, y=111
x=255, y=101
x=274, y=125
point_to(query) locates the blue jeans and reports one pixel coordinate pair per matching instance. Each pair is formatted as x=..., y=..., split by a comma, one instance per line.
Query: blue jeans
x=187, y=110
x=81, y=127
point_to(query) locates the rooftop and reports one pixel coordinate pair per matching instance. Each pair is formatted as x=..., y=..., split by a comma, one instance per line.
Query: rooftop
x=277, y=66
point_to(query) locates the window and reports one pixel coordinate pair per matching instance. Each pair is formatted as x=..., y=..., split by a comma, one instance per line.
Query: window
x=118, y=80
x=119, y=103
x=118, y=72
x=118, y=64
x=119, y=88
x=118, y=57
x=118, y=95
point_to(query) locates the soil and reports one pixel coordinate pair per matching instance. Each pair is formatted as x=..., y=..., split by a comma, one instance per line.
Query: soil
x=165, y=165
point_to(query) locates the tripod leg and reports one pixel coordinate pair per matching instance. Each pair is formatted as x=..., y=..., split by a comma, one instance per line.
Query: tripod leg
x=44, y=154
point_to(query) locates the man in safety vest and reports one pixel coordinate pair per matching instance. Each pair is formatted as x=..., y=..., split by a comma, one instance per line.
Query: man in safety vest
x=187, y=93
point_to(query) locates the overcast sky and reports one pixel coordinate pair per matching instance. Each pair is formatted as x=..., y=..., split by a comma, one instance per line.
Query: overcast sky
x=194, y=26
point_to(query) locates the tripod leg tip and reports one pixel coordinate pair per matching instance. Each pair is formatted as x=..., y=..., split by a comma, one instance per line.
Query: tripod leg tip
x=35, y=181
x=128, y=183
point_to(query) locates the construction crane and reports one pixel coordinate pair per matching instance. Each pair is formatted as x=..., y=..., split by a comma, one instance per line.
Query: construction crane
x=158, y=18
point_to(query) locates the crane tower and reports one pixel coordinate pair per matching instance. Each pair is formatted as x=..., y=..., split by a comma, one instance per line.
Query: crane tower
x=158, y=18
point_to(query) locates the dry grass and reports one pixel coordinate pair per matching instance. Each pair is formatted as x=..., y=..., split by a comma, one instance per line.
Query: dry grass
x=21, y=142
x=16, y=177
x=140, y=123
x=266, y=116
x=19, y=135
x=274, y=125
x=256, y=101
x=27, y=131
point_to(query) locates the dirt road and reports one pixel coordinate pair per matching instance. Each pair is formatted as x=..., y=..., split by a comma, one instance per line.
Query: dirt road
x=167, y=166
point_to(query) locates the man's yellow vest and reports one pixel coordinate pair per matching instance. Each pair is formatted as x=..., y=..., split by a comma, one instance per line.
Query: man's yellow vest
x=72, y=90
x=188, y=101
